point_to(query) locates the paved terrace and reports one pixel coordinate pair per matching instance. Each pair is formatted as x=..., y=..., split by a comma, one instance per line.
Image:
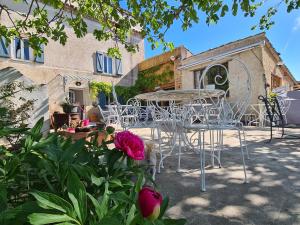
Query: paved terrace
x=271, y=197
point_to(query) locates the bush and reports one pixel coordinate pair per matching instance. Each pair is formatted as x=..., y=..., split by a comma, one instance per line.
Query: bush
x=51, y=180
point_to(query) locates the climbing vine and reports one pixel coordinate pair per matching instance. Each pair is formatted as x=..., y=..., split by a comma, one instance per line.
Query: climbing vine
x=147, y=81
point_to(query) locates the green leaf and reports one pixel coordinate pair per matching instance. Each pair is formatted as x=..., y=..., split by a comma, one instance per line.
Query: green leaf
x=70, y=153
x=163, y=207
x=110, y=221
x=116, y=182
x=36, y=130
x=46, y=218
x=139, y=183
x=96, y=205
x=3, y=197
x=174, y=221
x=52, y=201
x=18, y=215
x=98, y=181
x=130, y=216
x=77, y=195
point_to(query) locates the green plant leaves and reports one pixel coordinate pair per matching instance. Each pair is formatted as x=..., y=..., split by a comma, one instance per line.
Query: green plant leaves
x=52, y=201
x=78, y=196
x=47, y=218
x=163, y=207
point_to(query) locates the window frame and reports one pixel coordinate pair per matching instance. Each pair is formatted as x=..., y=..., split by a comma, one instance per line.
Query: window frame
x=26, y=52
x=72, y=92
x=196, y=77
x=107, y=65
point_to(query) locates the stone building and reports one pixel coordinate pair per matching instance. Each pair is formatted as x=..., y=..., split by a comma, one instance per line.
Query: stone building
x=257, y=52
x=67, y=70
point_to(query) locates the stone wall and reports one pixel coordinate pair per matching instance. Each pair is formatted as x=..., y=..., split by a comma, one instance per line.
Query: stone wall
x=271, y=66
x=76, y=58
x=251, y=58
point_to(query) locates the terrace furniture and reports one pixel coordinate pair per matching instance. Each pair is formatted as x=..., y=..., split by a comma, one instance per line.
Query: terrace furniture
x=168, y=119
x=191, y=113
x=260, y=115
x=223, y=114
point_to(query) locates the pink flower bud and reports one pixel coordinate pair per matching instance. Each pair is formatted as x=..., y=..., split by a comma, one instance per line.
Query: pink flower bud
x=149, y=202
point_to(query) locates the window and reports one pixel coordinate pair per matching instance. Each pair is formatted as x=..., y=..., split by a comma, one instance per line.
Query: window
x=108, y=65
x=4, y=49
x=72, y=97
x=211, y=75
x=22, y=50
x=108, y=68
x=17, y=48
x=275, y=81
x=26, y=50
x=118, y=66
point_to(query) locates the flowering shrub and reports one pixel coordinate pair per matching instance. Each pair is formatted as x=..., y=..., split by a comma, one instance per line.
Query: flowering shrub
x=52, y=180
x=131, y=144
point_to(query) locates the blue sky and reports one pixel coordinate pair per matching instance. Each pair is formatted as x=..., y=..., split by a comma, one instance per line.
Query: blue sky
x=284, y=35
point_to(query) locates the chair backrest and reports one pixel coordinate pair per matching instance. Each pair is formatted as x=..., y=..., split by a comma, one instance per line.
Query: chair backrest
x=101, y=113
x=236, y=85
x=114, y=93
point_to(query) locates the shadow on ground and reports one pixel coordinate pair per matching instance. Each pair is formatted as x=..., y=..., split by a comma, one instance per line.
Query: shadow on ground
x=272, y=196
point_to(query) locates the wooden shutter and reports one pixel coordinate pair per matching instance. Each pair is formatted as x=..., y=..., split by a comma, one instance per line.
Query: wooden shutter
x=99, y=62
x=118, y=66
x=102, y=100
x=3, y=48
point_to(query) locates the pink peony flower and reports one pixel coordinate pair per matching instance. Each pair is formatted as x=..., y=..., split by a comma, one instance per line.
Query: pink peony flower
x=131, y=144
x=149, y=201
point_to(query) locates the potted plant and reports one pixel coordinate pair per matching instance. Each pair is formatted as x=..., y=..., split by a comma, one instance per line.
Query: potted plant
x=67, y=106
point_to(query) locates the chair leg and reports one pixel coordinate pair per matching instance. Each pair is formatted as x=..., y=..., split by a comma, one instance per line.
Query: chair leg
x=220, y=146
x=245, y=143
x=203, y=186
x=160, y=164
x=212, y=143
x=243, y=157
x=179, y=153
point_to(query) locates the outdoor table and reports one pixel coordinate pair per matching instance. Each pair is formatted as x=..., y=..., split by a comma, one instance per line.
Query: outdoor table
x=174, y=96
x=181, y=95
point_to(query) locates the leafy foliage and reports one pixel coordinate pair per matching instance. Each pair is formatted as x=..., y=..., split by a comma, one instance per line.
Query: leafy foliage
x=147, y=81
x=118, y=19
x=13, y=117
x=53, y=180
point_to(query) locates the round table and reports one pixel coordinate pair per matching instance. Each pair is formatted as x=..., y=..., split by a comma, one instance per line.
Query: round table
x=181, y=95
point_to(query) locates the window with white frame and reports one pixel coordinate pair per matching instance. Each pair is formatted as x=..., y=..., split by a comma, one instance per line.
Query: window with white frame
x=72, y=96
x=108, y=65
x=19, y=49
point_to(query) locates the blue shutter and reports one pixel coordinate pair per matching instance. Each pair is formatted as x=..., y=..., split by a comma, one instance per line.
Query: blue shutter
x=40, y=59
x=17, y=48
x=26, y=50
x=118, y=66
x=99, y=62
x=102, y=100
x=3, y=48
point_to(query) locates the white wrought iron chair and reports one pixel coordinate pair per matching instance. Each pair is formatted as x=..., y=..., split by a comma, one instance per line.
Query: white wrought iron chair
x=222, y=114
